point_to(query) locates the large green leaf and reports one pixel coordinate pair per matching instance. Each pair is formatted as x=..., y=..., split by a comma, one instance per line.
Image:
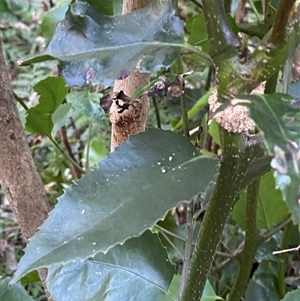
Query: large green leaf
x=292, y=296
x=137, y=270
x=13, y=293
x=278, y=118
x=52, y=91
x=271, y=209
x=94, y=48
x=121, y=197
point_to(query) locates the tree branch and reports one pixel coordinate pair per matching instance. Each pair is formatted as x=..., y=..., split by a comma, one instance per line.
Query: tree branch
x=19, y=178
x=278, y=36
x=133, y=120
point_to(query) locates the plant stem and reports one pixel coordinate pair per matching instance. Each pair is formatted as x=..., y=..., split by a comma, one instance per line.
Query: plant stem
x=68, y=157
x=282, y=259
x=265, y=236
x=219, y=32
x=88, y=145
x=246, y=257
x=183, y=103
x=254, y=10
x=188, y=245
x=156, y=112
x=76, y=171
x=235, y=163
x=197, y=3
x=280, y=22
x=184, y=115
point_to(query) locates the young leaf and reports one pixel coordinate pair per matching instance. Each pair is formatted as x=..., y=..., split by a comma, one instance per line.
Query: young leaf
x=94, y=48
x=52, y=91
x=125, y=194
x=141, y=261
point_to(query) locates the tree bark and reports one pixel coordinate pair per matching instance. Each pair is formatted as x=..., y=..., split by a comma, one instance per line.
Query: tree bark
x=133, y=120
x=19, y=178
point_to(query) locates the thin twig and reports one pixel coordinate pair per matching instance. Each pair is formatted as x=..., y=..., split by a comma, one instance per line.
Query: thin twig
x=88, y=145
x=157, y=114
x=255, y=10
x=162, y=229
x=74, y=167
x=172, y=244
x=287, y=250
x=197, y=3
x=66, y=155
x=188, y=245
x=266, y=235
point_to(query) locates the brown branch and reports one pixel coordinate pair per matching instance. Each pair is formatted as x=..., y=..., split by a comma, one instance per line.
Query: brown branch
x=133, y=120
x=19, y=178
x=240, y=13
x=280, y=22
x=76, y=171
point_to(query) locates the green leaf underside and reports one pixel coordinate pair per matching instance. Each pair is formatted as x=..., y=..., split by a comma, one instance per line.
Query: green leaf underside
x=13, y=293
x=94, y=48
x=271, y=209
x=137, y=270
x=52, y=91
x=143, y=178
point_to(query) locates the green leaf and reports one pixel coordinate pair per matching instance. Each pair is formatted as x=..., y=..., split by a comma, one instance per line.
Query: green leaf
x=97, y=151
x=257, y=168
x=197, y=107
x=198, y=36
x=170, y=225
x=271, y=209
x=51, y=18
x=137, y=270
x=15, y=292
x=214, y=131
x=88, y=103
x=292, y=296
x=31, y=277
x=103, y=6
x=52, y=91
x=278, y=118
x=275, y=116
x=143, y=178
x=61, y=116
x=94, y=48
x=209, y=293
x=262, y=289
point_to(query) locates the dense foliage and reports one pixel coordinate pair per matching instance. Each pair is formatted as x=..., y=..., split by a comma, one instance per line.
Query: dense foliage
x=165, y=216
